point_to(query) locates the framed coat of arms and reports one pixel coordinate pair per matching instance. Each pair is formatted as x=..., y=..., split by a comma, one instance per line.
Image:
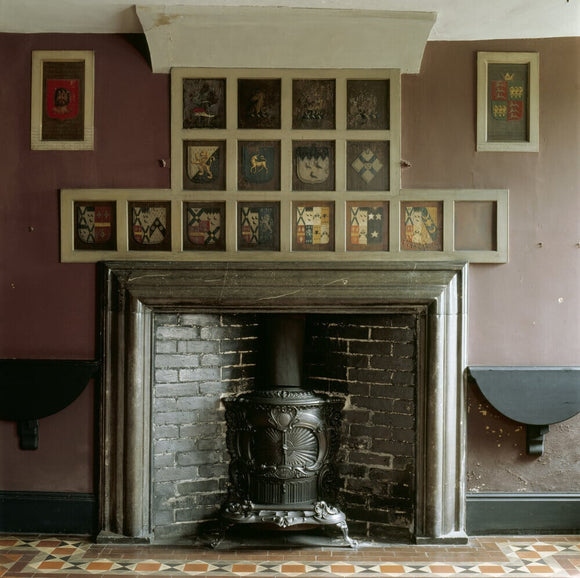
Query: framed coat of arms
x=204, y=103
x=313, y=167
x=204, y=227
x=259, y=165
x=62, y=100
x=95, y=225
x=204, y=165
x=149, y=225
x=422, y=225
x=508, y=101
x=258, y=226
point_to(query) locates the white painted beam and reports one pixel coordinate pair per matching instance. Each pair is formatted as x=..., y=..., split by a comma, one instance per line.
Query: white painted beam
x=283, y=37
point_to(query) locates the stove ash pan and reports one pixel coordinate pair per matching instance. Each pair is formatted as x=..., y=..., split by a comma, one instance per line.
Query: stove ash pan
x=283, y=444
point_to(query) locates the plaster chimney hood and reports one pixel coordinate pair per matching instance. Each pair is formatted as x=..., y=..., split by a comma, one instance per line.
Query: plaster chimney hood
x=283, y=37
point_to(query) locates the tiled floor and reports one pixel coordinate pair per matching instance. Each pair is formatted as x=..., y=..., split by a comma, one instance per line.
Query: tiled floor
x=60, y=557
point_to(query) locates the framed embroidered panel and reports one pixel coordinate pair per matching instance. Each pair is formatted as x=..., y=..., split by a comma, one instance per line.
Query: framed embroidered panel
x=368, y=104
x=314, y=104
x=204, y=226
x=62, y=100
x=367, y=226
x=204, y=165
x=313, y=165
x=421, y=225
x=259, y=103
x=508, y=101
x=258, y=226
x=367, y=165
x=259, y=165
x=95, y=225
x=149, y=225
x=204, y=103
x=313, y=226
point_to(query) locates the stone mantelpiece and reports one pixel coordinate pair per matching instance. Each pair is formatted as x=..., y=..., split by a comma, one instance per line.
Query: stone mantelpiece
x=133, y=292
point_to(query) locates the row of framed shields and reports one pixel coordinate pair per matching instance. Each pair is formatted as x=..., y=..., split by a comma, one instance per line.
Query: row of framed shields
x=138, y=225
x=258, y=103
x=260, y=165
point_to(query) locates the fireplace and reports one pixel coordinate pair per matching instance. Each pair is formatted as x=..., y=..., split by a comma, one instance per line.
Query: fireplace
x=137, y=299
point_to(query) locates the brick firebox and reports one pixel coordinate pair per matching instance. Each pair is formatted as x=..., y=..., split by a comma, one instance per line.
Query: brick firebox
x=178, y=337
x=371, y=360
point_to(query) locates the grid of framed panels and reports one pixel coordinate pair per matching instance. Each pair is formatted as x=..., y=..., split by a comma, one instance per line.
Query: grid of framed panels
x=284, y=165
x=283, y=151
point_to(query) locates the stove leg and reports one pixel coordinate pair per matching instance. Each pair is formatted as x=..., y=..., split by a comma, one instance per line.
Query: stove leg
x=344, y=528
x=217, y=537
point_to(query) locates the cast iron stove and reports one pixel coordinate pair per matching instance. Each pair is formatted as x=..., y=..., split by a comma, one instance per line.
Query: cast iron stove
x=283, y=442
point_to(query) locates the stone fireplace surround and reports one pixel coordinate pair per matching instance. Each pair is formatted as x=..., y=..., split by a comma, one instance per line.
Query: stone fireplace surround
x=133, y=293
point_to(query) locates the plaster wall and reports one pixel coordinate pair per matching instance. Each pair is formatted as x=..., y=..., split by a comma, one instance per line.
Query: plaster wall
x=526, y=312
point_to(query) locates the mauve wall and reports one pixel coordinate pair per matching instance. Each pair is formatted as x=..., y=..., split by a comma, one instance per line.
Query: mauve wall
x=48, y=308
x=524, y=312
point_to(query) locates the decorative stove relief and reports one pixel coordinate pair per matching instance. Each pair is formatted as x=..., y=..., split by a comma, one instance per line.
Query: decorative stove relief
x=283, y=444
x=283, y=441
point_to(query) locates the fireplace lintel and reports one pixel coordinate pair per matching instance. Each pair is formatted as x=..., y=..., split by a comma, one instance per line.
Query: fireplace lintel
x=132, y=292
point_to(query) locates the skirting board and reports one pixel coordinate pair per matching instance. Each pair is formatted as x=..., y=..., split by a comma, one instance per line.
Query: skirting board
x=522, y=514
x=75, y=513
x=48, y=512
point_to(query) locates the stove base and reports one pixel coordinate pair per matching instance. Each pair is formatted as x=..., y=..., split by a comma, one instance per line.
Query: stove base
x=294, y=517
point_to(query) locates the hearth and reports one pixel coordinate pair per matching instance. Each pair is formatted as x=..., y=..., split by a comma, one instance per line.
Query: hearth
x=283, y=441
x=136, y=295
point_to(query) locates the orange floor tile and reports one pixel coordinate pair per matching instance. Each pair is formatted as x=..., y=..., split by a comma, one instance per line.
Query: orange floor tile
x=73, y=557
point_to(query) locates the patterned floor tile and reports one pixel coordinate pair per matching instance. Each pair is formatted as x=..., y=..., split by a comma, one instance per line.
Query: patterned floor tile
x=99, y=566
x=244, y=569
x=515, y=557
x=196, y=568
x=390, y=569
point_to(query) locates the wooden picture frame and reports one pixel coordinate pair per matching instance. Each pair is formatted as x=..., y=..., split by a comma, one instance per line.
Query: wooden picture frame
x=204, y=103
x=259, y=165
x=259, y=103
x=422, y=225
x=313, y=104
x=368, y=104
x=258, y=226
x=367, y=225
x=508, y=101
x=95, y=225
x=472, y=226
x=204, y=165
x=204, y=226
x=62, y=100
x=313, y=226
x=149, y=225
x=367, y=165
x=313, y=165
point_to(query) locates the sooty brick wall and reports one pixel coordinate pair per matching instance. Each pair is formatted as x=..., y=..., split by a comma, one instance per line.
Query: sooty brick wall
x=368, y=359
x=372, y=359
x=198, y=359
